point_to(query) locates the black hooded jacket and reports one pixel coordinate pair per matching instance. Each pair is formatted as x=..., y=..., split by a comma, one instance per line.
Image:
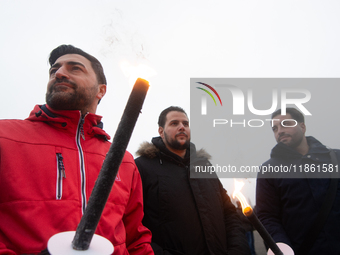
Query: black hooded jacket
x=186, y=215
x=288, y=207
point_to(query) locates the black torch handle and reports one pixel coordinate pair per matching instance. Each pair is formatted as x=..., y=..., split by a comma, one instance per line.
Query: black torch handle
x=264, y=234
x=110, y=167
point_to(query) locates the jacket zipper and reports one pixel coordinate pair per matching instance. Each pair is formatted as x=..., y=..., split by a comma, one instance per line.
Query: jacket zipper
x=60, y=176
x=80, y=134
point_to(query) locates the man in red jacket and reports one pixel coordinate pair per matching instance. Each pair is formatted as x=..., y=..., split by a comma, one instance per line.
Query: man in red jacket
x=49, y=163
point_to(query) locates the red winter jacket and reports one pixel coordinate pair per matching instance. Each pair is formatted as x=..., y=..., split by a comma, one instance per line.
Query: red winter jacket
x=48, y=166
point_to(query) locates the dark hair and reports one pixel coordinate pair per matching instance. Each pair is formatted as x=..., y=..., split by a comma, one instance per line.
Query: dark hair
x=162, y=116
x=70, y=49
x=296, y=115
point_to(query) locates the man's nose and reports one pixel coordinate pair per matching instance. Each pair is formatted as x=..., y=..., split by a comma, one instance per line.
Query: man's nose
x=181, y=126
x=61, y=73
x=280, y=130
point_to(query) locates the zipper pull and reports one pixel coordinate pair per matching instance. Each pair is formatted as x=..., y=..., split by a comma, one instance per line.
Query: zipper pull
x=61, y=165
x=82, y=128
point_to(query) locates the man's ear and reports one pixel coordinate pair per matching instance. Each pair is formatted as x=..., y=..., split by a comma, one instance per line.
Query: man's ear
x=101, y=91
x=160, y=132
x=303, y=126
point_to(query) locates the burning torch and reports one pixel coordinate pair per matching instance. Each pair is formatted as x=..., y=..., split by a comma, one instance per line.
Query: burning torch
x=250, y=214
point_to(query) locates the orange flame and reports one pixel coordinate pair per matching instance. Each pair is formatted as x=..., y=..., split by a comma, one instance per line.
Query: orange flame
x=135, y=71
x=246, y=208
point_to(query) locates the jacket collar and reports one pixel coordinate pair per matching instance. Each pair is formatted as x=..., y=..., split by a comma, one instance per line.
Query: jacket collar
x=158, y=142
x=69, y=120
x=157, y=147
x=285, y=152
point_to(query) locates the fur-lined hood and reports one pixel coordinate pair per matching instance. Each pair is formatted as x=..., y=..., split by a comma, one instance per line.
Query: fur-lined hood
x=149, y=150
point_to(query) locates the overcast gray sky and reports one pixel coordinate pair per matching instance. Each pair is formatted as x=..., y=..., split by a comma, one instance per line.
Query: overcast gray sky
x=178, y=39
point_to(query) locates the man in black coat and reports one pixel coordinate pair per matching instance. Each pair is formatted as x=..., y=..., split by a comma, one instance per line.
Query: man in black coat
x=185, y=215
x=289, y=207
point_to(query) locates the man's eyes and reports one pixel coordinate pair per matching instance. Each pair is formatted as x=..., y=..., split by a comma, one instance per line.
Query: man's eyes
x=72, y=68
x=289, y=123
x=186, y=124
x=76, y=68
x=53, y=70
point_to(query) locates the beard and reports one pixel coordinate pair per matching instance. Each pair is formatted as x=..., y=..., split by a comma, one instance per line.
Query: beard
x=294, y=141
x=77, y=99
x=175, y=144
